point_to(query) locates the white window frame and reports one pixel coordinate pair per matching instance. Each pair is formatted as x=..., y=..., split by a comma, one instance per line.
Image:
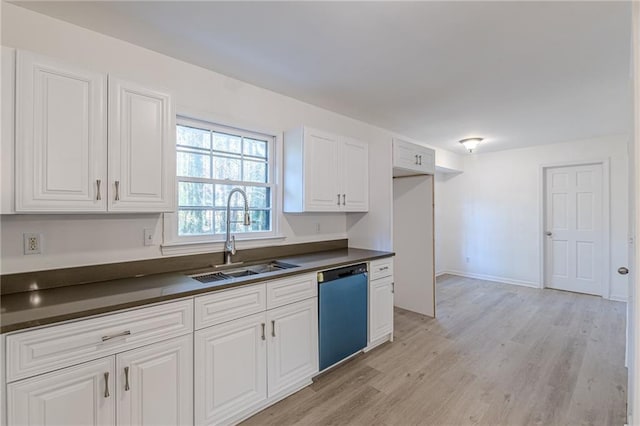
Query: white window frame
x=173, y=243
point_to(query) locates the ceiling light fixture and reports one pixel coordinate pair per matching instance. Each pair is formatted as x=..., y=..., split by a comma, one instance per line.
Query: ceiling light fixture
x=471, y=143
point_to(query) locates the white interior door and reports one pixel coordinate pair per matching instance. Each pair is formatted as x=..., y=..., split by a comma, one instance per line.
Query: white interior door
x=574, y=229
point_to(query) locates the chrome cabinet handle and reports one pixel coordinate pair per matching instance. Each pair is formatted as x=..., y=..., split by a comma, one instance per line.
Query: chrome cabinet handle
x=393, y=288
x=548, y=234
x=384, y=268
x=416, y=158
x=106, y=384
x=338, y=199
x=98, y=196
x=126, y=379
x=113, y=336
x=623, y=271
x=117, y=190
x=273, y=328
x=420, y=157
x=263, y=336
x=344, y=199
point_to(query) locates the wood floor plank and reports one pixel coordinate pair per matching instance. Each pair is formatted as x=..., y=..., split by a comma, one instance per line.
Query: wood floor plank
x=497, y=354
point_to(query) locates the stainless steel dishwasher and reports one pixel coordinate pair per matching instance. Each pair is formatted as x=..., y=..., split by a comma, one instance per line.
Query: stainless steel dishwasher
x=343, y=301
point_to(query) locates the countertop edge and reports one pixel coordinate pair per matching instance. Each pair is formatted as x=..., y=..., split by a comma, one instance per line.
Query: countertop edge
x=85, y=314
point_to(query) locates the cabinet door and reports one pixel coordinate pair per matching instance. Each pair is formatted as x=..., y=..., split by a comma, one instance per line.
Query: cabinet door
x=231, y=369
x=141, y=148
x=81, y=395
x=7, y=139
x=426, y=160
x=380, y=308
x=61, y=139
x=293, y=344
x=321, y=171
x=155, y=384
x=405, y=155
x=355, y=177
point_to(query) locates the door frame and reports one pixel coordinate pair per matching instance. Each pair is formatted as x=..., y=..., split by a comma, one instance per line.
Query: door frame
x=606, y=220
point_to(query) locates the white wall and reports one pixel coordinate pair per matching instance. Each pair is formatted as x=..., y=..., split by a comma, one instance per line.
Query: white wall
x=81, y=240
x=490, y=214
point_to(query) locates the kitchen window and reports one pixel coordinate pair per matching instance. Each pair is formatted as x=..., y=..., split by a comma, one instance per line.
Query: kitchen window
x=211, y=160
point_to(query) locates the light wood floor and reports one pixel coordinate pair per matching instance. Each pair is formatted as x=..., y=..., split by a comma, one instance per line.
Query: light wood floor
x=497, y=354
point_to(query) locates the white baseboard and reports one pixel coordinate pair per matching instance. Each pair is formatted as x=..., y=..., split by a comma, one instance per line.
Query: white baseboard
x=617, y=298
x=438, y=273
x=493, y=278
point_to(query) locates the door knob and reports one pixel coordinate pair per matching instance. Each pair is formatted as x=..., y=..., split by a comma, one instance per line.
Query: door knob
x=548, y=234
x=623, y=271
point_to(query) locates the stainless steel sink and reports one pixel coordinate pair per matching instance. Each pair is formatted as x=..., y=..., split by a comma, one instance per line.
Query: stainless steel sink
x=228, y=274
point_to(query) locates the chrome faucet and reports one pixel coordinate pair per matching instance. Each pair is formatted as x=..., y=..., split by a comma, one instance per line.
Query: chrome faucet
x=230, y=242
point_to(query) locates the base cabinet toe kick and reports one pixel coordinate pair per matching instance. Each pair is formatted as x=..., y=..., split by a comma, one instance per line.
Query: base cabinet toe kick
x=212, y=359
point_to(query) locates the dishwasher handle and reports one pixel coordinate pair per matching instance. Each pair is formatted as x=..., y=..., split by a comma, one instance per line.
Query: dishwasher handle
x=347, y=271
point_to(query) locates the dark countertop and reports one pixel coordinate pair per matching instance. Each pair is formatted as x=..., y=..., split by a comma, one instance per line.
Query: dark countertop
x=35, y=308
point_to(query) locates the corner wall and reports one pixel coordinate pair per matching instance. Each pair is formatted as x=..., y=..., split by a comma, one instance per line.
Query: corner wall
x=488, y=218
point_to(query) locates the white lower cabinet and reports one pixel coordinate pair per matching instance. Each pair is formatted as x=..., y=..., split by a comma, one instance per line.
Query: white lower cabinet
x=149, y=386
x=243, y=365
x=78, y=395
x=230, y=369
x=380, y=302
x=381, y=308
x=154, y=384
x=293, y=344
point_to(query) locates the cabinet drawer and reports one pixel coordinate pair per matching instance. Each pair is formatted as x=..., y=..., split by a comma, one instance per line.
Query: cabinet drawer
x=45, y=349
x=289, y=290
x=380, y=268
x=228, y=305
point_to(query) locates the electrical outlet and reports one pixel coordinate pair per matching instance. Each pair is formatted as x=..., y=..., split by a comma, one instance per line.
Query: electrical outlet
x=148, y=237
x=32, y=243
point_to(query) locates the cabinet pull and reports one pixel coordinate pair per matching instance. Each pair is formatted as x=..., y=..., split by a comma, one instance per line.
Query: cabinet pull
x=420, y=158
x=344, y=199
x=416, y=158
x=98, y=196
x=263, y=336
x=273, y=328
x=126, y=379
x=113, y=336
x=384, y=268
x=106, y=384
x=338, y=199
x=393, y=288
x=117, y=190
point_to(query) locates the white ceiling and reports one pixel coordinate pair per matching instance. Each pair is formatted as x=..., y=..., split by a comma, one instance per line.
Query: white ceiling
x=515, y=73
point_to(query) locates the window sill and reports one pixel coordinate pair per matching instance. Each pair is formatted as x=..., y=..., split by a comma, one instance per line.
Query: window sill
x=184, y=248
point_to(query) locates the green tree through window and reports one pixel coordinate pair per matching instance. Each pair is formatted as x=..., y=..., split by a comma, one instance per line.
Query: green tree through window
x=211, y=161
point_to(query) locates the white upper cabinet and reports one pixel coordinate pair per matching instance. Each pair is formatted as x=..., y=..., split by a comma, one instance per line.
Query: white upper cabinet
x=64, y=160
x=61, y=136
x=324, y=172
x=410, y=159
x=355, y=175
x=141, y=148
x=7, y=148
x=320, y=172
